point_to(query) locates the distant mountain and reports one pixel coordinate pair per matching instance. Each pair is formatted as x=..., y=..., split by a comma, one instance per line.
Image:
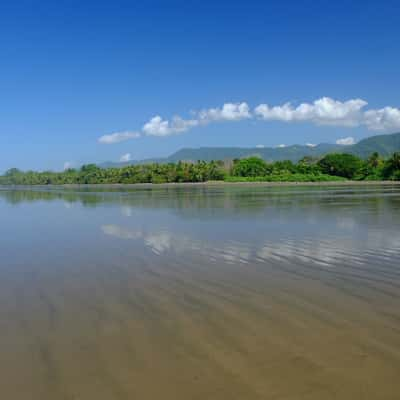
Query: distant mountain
x=294, y=152
x=111, y=164
x=383, y=144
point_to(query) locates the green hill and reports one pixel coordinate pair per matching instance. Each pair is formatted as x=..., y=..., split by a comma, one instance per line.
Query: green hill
x=385, y=145
x=293, y=153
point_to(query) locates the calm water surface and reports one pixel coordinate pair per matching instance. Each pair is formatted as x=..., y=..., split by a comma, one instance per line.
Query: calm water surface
x=243, y=292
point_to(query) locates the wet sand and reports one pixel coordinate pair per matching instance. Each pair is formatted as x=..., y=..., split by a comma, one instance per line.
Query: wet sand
x=215, y=334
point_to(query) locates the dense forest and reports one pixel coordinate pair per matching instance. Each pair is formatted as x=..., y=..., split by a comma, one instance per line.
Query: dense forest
x=331, y=167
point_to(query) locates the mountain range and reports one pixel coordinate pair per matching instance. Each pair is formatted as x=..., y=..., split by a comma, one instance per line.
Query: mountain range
x=385, y=145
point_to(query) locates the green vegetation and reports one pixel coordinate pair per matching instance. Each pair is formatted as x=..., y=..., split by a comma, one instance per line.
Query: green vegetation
x=345, y=165
x=148, y=173
x=332, y=167
x=250, y=167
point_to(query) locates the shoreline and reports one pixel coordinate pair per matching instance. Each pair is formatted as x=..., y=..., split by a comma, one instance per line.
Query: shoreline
x=199, y=184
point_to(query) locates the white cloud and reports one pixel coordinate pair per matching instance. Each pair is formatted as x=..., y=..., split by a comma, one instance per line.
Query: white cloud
x=282, y=113
x=327, y=111
x=260, y=146
x=311, y=145
x=118, y=137
x=159, y=127
x=324, y=111
x=387, y=118
x=281, y=146
x=228, y=112
x=346, y=141
x=68, y=165
x=125, y=158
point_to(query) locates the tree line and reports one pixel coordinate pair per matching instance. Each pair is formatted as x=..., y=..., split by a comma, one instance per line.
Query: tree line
x=331, y=167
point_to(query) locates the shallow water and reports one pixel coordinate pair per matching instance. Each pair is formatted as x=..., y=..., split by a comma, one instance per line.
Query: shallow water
x=200, y=293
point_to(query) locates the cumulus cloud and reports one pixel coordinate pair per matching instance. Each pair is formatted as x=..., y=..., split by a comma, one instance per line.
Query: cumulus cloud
x=260, y=146
x=281, y=146
x=68, y=165
x=125, y=157
x=118, y=137
x=311, y=145
x=384, y=119
x=159, y=127
x=327, y=111
x=346, y=141
x=324, y=111
x=228, y=112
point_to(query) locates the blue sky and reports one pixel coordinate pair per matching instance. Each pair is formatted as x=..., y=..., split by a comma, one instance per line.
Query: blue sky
x=73, y=72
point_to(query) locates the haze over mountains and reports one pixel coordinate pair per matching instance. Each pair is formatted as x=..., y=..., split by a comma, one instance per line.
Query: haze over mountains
x=385, y=145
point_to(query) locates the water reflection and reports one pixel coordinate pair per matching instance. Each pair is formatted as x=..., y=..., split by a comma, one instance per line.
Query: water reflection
x=200, y=292
x=219, y=201
x=158, y=242
x=350, y=247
